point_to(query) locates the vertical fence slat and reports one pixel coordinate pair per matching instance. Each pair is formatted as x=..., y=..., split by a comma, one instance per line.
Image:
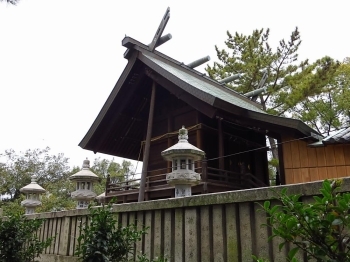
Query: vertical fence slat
x=72, y=235
x=64, y=239
x=51, y=220
x=140, y=225
x=262, y=243
x=149, y=235
x=42, y=231
x=157, y=246
x=77, y=231
x=124, y=219
x=178, y=235
x=58, y=235
x=218, y=234
x=245, y=230
x=132, y=222
x=205, y=233
x=231, y=234
x=191, y=241
x=278, y=256
x=46, y=233
x=53, y=235
x=167, y=233
x=132, y=218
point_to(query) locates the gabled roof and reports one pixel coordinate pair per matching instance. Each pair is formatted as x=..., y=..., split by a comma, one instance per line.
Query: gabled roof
x=120, y=126
x=193, y=82
x=340, y=137
x=198, y=85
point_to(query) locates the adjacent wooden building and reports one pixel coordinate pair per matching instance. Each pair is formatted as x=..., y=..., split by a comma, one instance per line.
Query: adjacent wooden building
x=156, y=95
x=327, y=158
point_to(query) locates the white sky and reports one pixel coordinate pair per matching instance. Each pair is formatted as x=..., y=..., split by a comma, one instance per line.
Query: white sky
x=60, y=59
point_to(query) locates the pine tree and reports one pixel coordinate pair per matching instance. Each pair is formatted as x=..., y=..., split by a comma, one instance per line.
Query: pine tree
x=289, y=83
x=329, y=110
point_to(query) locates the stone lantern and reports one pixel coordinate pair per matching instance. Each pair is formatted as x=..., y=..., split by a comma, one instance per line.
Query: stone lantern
x=183, y=155
x=84, y=179
x=32, y=192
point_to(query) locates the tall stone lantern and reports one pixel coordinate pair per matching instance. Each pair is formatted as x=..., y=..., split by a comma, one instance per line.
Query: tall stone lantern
x=84, y=179
x=32, y=192
x=183, y=155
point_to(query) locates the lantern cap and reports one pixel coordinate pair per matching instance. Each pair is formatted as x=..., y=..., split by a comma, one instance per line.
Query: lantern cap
x=85, y=174
x=183, y=148
x=33, y=187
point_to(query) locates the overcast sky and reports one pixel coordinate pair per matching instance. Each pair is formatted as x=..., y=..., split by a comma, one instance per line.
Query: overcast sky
x=59, y=60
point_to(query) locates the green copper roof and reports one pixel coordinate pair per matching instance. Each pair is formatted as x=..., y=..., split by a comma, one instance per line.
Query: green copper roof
x=209, y=88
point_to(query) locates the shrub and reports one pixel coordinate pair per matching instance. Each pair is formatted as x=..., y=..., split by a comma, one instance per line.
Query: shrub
x=102, y=239
x=320, y=229
x=18, y=240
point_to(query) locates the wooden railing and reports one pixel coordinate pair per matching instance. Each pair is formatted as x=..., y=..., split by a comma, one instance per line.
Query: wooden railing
x=222, y=180
x=151, y=182
x=230, y=178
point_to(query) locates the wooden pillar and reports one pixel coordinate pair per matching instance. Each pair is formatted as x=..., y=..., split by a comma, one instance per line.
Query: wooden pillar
x=204, y=170
x=170, y=140
x=221, y=144
x=280, y=169
x=199, y=145
x=148, y=144
x=199, y=131
x=199, y=135
x=204, y=176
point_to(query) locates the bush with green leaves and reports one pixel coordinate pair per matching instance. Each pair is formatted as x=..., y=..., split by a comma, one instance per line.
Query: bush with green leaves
x=102, y=239
x=143, y=258
x=319, y=229
x=18, y=240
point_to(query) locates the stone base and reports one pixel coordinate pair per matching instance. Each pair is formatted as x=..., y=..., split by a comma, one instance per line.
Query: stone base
x=183, y=190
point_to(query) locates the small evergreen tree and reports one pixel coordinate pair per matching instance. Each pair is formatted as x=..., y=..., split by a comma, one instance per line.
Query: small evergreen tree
x=103, y=239
x=18, y=240
x=319, y=229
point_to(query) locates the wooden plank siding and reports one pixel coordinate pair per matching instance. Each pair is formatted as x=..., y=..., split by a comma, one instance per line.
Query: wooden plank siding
x=305, y=164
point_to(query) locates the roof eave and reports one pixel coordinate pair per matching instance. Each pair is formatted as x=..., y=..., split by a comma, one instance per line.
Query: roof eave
x=85, y=141
x=295, y=124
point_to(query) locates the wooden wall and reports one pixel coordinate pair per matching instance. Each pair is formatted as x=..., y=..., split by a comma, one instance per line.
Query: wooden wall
x=306, y=164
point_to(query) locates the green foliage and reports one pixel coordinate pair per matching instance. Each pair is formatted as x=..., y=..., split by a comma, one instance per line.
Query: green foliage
x=118, y=172
x=289, y=82
x=102, y=239
x=18, y=241
x=260, y=259
x=17, y=169
x=53, y=174
x=143, y=258
x=52, y=202
x=331, y=109
x=320, y=229
x=12, y=207
x=273, y=165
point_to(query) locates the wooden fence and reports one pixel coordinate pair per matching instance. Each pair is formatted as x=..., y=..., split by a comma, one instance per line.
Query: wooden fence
x=213, y=227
